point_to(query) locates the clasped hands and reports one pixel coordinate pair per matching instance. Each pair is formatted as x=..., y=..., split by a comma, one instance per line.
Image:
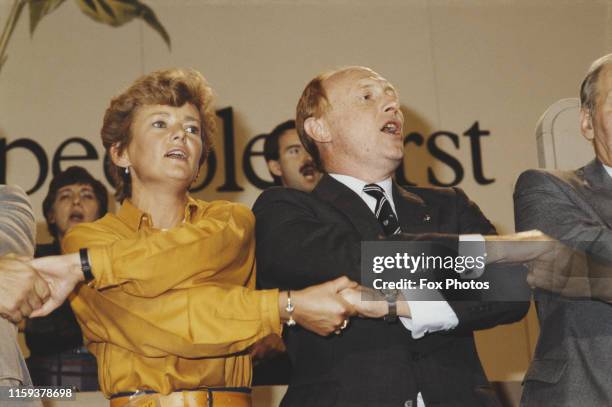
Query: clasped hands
x=34, y=288
x=327, y=307
x=553, y=265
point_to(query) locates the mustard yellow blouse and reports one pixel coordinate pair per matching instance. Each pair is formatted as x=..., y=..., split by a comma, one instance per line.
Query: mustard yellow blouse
x=172, y=309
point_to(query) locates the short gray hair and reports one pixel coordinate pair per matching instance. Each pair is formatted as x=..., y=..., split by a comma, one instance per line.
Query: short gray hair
x=588, y=88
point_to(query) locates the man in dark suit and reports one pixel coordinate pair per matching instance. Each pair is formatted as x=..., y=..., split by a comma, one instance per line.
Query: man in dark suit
x=350, y=122
x=572, y=362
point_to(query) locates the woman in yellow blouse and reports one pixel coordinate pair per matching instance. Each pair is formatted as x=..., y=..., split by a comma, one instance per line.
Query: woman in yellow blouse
x=168, y=307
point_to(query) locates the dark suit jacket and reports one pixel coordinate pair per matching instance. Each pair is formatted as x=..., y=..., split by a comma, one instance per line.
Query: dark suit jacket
x=573, y=360
x=305, y=239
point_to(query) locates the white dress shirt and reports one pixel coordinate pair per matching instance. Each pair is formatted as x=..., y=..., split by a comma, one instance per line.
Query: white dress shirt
x=427, y=316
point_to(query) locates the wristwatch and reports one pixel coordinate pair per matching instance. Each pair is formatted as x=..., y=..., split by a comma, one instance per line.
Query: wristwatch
x=391, y=297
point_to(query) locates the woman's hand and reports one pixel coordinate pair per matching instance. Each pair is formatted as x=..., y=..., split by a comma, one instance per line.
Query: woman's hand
x=62, y=274
x=320, y=308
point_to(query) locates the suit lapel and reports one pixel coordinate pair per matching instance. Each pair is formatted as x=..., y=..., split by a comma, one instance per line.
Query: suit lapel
x=413, y=213
x=597, y=189
x=350, y=204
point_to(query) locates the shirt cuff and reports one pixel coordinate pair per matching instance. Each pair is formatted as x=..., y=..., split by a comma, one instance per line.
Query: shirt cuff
x=472, y=246
x=429, y=316
x=270, y=315
x=99, y=260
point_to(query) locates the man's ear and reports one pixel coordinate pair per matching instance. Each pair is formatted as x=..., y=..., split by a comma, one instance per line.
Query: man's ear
x=586, y=124
x=275, y=168
x=118, y=157
x=317, y=129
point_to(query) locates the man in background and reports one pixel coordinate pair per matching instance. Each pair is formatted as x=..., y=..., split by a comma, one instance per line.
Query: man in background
x=292, y=167
x=288, y=162
x=58, y=357
x=572, y=361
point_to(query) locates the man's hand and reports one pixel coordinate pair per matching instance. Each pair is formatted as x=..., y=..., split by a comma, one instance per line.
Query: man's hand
x=570, y=273
x=553, y=266
x=521, y=247
x=367, y=302
x=320, y=308
x=62, y=274
x=21, y=289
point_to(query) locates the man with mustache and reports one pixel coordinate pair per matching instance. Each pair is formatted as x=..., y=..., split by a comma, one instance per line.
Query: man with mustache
x=288, y=162
x=350, y=122
x=55, y=341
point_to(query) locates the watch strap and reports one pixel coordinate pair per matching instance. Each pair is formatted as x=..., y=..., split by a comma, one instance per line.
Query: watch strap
x=391, y=316
x=85, y=266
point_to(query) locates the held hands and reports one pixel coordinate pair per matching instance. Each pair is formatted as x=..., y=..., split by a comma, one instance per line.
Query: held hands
x=553, y=266
x=21, y=289
x=320, y=308
x=62, y=274
x=368, y=303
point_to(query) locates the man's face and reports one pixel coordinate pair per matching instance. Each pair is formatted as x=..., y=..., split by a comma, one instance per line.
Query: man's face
x=73, y=204
x=598, y=127
x=364, y=121
x=294, y=165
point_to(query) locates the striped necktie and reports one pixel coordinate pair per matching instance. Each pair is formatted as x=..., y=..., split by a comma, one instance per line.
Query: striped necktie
x=383, y=211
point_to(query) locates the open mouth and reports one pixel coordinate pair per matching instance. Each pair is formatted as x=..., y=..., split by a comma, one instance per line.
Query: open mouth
x=392, y=127
x=76, y=217
x=177, y=154
x=308, y=171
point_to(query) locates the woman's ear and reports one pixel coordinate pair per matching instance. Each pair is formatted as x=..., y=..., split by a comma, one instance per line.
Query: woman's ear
x=119, y=156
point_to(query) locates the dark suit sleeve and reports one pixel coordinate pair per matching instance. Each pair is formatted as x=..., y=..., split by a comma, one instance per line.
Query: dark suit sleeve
x=545, y=202
x=297, y=246
x=485, y=312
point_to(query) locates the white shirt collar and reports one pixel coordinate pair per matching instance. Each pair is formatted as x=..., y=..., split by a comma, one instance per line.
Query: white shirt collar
x=356, y=185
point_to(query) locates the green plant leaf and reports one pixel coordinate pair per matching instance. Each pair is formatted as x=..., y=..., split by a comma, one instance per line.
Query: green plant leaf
x=119, y=12
x=39, y=9
x=2, y=61
x=9, y=27
x=151, y=19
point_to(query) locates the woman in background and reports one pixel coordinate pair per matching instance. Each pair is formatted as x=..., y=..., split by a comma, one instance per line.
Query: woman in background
x=170, y=310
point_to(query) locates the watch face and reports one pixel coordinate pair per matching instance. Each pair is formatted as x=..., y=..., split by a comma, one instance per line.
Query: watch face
x=390, y=294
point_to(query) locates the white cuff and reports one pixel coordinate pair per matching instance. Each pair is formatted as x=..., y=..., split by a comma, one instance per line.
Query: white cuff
x=429, y=316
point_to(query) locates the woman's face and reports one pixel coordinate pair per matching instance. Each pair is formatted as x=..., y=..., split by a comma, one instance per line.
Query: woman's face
x=166, y=145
